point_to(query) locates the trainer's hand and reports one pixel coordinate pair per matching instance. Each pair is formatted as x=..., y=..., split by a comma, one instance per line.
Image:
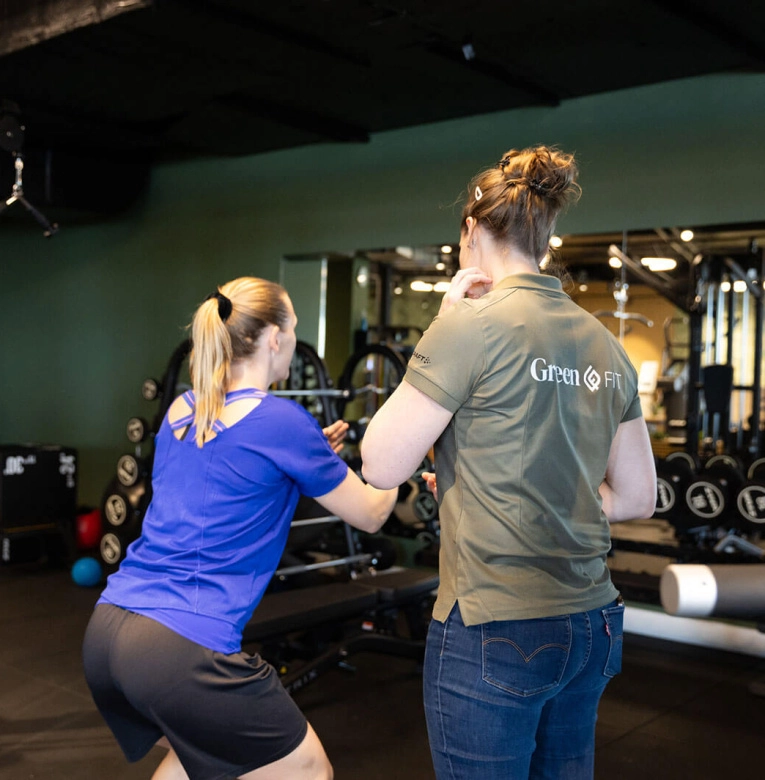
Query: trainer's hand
x=430, y=482
x=466, y=283
x=335, y=434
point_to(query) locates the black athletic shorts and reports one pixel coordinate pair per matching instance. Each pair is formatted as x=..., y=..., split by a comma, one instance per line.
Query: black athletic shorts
x=224, y=715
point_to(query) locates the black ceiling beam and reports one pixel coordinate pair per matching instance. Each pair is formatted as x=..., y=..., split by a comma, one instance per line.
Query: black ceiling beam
x=35, y=21
x=688, y=11
x=539, y=93
x=308, y=122
x=270, y=29
x=142, y=136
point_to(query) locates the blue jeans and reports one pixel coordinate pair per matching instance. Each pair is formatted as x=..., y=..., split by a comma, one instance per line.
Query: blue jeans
x=518, y=699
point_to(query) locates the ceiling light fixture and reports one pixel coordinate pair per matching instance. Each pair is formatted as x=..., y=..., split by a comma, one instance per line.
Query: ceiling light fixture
x=440, y=266
x=657, y=264
x=419, y=286
x=556, y=242
x=686, y=235
x=441, y=287
x=614, y=262
x=446, y=249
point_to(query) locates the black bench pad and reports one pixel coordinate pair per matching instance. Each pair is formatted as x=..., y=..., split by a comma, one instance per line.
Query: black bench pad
x=398, y=585
x=304, y=608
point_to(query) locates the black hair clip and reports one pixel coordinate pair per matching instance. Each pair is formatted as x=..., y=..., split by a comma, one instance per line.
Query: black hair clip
x=538, y=186
x=225, y=307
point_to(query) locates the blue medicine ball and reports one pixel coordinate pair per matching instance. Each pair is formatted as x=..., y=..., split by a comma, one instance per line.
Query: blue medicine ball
x=86, y=572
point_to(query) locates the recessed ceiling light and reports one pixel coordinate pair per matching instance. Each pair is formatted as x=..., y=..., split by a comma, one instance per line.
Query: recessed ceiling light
x=686, y=235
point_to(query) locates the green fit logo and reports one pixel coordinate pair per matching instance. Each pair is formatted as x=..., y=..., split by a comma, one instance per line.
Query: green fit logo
x=542, y=371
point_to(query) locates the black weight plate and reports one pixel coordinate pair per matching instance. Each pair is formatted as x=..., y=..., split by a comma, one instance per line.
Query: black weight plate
x=751, y=503
x=705, y=499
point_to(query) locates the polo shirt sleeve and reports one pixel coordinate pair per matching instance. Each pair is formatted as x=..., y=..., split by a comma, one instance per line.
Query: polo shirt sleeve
x=634, y=410
x=449, y=358
x=308, y=459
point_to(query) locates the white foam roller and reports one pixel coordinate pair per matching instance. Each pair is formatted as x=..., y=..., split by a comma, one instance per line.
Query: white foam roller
x=723, y=590
x=688, y=589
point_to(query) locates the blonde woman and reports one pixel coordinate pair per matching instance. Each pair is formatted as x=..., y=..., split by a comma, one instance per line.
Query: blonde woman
x=162, y=652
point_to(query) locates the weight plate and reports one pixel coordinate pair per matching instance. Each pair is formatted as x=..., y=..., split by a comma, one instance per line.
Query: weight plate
x=722, y=460
x=127, y=470
x=111, y=549
x=136, y=429
x=150, y=389
x=115, y=509
x=666, y=495
x=757, y=470
x=425, y=506
x=751, y=503
x=705, y=499
x=685, y=457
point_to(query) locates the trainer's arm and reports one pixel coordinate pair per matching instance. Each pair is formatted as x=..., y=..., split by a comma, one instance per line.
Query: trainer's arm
x=399, y=436
x=629, y=487
x=362, y=506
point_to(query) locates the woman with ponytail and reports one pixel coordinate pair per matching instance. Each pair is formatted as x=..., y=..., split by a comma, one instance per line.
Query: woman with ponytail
x=162, y=652
x=539, y=443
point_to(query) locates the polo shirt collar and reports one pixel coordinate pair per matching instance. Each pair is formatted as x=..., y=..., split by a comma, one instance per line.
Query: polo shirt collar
x=534, y=281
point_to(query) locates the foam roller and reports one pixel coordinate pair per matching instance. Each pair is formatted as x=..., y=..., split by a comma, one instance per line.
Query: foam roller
x=721, y=590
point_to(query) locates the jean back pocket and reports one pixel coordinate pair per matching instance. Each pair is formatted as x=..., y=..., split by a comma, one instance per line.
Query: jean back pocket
x=526, y=657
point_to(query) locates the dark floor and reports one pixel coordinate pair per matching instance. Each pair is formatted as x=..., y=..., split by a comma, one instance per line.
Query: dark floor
x=675, y=711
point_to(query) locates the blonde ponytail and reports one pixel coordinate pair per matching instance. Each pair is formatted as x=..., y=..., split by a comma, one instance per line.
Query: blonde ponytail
x=226, y=328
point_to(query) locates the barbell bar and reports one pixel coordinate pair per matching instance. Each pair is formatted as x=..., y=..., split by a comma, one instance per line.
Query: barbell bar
x=348, y=393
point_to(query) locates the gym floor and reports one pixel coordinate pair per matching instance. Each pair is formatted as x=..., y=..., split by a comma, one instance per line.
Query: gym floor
x=676, y=711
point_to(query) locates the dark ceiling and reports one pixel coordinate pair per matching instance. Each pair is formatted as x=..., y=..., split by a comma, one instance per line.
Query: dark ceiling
x=169, y=78
x=104, y=88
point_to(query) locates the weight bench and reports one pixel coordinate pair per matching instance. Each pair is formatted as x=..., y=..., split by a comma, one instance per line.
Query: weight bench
x=328, y=623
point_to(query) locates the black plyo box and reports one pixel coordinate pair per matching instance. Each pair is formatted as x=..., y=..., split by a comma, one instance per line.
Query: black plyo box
x=38, y=487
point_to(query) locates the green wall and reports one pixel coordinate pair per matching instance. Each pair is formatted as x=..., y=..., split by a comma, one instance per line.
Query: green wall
x=87, y=315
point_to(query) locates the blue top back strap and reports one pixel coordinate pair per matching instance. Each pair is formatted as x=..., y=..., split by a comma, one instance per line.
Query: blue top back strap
x=218, y=426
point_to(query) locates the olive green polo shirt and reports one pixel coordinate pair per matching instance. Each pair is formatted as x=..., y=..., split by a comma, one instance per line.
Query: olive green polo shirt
x=538, y=388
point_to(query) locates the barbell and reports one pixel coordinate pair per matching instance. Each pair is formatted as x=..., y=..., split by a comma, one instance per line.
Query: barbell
x=346, y=393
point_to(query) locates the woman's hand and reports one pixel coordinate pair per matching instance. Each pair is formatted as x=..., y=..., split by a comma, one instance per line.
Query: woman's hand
x=430, y=482
x=466, y=283
x=336, y=433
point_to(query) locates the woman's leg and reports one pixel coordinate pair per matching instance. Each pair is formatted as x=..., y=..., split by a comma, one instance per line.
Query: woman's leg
x=566, y=735
x=307, y=761
x=479, y=728
x=170, y=768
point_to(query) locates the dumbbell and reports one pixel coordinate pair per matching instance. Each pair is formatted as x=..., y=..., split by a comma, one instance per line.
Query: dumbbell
x=711, y=496
x=151, y=389
x=137, y=430
x=673, y=475
x=131, y=469
x=750, y=500
x=122, y=508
